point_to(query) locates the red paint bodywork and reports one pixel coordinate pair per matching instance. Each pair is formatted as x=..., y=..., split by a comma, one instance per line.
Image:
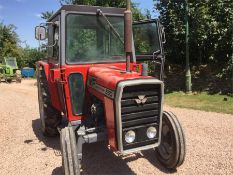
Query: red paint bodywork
x=110, y=122
x=108, y=75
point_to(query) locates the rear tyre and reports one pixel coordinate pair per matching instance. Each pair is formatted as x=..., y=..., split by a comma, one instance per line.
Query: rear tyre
x=71, y=165
x=8, y=80
x=172, y=149
x=50, y=117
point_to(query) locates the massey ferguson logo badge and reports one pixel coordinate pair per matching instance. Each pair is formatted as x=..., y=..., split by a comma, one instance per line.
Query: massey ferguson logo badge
x=141, y=100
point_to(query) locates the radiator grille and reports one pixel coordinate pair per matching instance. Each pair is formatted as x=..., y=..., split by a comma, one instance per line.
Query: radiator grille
x=134, y=114
x=140, y=108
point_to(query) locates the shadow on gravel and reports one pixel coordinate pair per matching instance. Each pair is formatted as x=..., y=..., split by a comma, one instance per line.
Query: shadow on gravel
x=50, y=142
x=151, y=157
x=57, y=171
x=97, y=158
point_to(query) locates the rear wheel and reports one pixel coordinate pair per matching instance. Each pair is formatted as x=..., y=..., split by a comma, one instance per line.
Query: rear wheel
x=50, y=117
x=8, y=80
x=71, y=165
x=172, y=149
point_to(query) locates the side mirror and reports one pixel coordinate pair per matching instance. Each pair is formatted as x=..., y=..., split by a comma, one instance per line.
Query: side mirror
x=40, y=33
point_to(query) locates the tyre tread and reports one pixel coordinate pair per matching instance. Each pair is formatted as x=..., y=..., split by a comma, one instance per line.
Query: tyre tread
x=180, y=153
x=52, y=116
x=69, y=152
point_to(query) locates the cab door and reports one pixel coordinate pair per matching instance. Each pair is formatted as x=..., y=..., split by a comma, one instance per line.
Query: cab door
x=54, y=58
x=148, y=42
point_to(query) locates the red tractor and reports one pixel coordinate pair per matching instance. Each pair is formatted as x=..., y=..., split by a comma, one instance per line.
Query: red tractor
x=91, y=89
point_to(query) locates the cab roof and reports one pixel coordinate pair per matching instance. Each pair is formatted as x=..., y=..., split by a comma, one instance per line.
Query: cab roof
x=88, y=10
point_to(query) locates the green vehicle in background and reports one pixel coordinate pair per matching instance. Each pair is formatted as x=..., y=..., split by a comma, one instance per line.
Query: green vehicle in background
x=9, y=70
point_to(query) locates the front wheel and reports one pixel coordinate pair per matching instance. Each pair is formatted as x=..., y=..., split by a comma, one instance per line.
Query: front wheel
x=172, y=149
x=70, y=162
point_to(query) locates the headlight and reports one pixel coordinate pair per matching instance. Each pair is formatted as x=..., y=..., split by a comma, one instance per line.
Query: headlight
x=151, y=132
x=130, y=136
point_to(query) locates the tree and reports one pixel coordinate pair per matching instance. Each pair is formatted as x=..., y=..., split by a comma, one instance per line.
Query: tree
x=9, y=47
x=106, y=3
x=9, y=42
x=210, y=32
x=46, y=15
x=137, y=15
x=31, y=56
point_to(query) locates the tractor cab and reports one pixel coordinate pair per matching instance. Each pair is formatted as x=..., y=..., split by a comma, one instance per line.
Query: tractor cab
x=11, y=61
x=95, y=87
x=95, y=35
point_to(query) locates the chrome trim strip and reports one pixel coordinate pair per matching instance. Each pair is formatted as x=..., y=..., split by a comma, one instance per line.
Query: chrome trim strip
x=119, y=92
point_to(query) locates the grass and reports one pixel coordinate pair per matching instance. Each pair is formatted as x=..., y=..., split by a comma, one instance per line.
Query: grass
x=201, y=101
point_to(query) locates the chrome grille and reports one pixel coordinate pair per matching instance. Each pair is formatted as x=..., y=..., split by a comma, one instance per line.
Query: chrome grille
x=140, y=109
x=133, y=114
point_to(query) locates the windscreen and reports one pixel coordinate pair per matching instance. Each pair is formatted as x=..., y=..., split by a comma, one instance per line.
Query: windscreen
x=11, y=62
x=89, y=38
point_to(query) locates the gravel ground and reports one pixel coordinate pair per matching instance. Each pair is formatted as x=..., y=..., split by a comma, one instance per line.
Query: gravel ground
x=24, y=151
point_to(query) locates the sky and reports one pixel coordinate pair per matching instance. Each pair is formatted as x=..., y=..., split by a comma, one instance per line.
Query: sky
x=25, y=15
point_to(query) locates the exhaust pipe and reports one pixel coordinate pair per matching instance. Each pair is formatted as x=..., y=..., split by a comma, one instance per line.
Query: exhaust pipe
x=128, y=34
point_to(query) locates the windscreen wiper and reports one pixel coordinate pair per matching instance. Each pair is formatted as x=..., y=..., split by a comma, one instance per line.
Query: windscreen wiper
x=100, y=13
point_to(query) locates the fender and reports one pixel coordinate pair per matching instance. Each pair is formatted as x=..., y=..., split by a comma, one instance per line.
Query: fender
x=45, y=65
x=53, y=77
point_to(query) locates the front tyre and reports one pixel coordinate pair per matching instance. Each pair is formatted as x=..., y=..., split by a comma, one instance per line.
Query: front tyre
x=71, y=165
x=172, y=149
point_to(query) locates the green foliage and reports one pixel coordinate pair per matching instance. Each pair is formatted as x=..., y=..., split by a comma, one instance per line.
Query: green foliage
x=46, y=15
x=137, y=15
x=9, y=47
x=8, y=42
x=105, y=3
x=210, y=32
x=31, y=56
